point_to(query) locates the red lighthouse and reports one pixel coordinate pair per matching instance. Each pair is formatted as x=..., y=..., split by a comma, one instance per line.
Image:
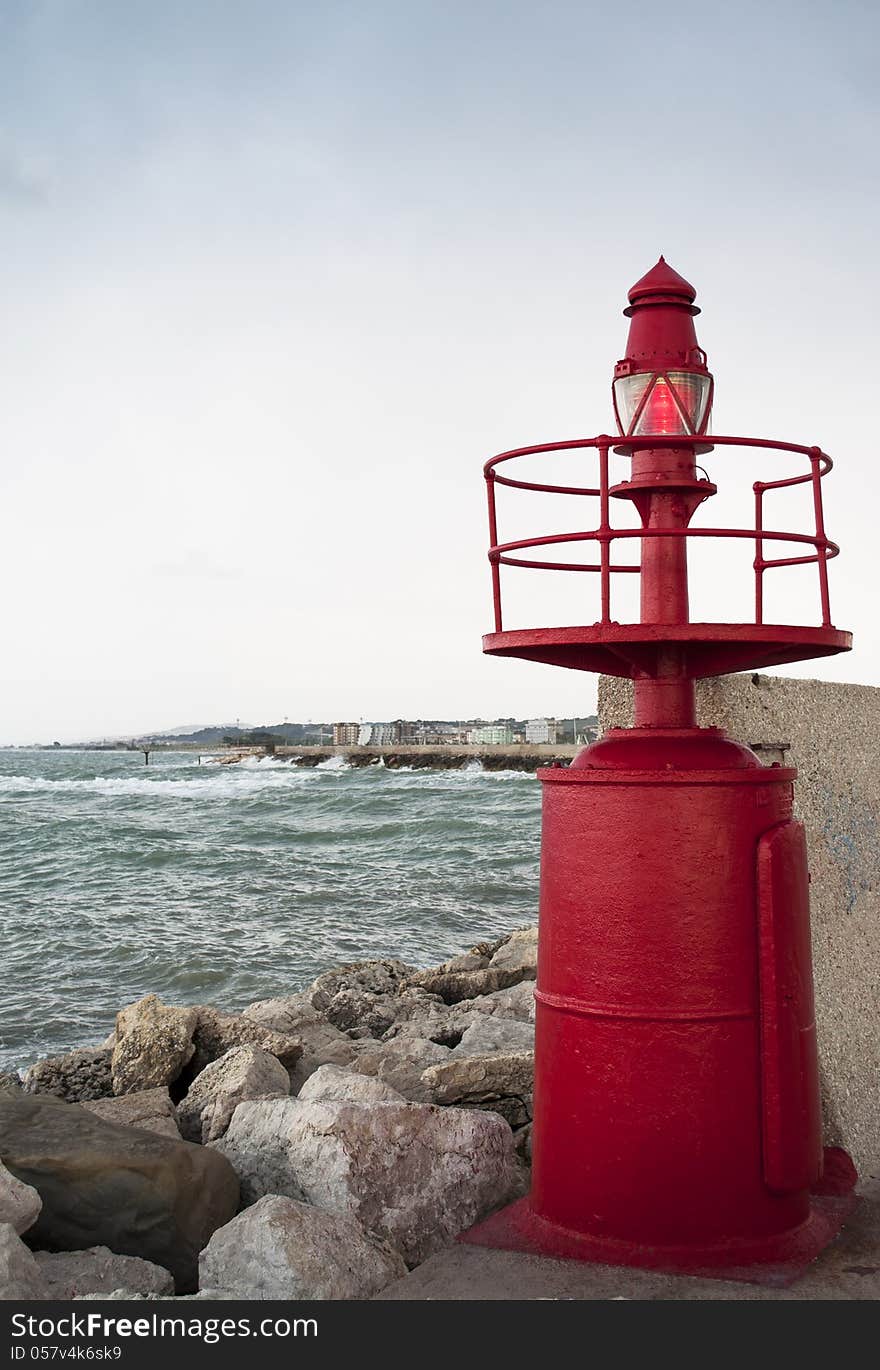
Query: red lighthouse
x=677, y=1118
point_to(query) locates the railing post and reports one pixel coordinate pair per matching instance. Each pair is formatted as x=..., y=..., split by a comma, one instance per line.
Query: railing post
x=604, y=531
x=493, y=554
x=759, y=551
x=821, y=550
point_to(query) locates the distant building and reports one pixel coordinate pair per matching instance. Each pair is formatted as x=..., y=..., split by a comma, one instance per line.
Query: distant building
x=345, y=734
x=385, y=734
x=492, y=735
x=379, y=734
x=540, y=731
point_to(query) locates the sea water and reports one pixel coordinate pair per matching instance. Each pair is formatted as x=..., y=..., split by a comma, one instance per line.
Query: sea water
x=223, y=884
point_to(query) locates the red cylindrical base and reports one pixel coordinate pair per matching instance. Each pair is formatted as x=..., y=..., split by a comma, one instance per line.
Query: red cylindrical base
x=676, y=1098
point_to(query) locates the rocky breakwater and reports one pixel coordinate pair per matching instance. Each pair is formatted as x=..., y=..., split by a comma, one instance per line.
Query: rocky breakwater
x=315, y=1145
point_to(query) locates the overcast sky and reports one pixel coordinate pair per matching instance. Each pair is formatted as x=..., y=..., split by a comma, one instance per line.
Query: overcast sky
x=276, y=277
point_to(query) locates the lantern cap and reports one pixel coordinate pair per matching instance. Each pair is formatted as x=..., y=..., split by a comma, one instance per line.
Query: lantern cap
x=662, y=285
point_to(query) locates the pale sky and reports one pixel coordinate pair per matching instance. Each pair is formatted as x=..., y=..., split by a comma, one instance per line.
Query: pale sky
x=277, y=277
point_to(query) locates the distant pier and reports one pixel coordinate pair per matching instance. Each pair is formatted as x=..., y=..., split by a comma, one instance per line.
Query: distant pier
x=516, y=756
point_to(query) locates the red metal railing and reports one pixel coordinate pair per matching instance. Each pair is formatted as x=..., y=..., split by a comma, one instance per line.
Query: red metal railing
x=500, y=553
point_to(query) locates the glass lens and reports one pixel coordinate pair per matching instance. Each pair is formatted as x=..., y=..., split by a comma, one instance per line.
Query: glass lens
x=628, y=391
x=693, y=394
x=661, y=414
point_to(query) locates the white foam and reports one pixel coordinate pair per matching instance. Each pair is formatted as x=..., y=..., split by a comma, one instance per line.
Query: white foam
x=333, y=763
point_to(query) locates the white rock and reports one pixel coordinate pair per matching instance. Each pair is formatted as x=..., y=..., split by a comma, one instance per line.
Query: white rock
x=322, y=1043
x=73, y=1274
x=332, y=1082
x=413, y=1174
x=400, y=1063
x=495, y=1081
x=241, y=1073
x=516, y=1002
x=20, y=1276
x=492, y=1035
x=20, y=1203
x=283, y=1249
x=518, y=953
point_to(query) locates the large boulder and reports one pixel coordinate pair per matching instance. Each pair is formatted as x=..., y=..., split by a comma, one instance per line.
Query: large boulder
x=151, y=1109
x=288, y=1013
x=283, y=1249
x=75, y=1076
x=215, y=1033
x=137, y=1192
x=332, y=1082
x=20, y=1204
x=153, y=1044
x=20, y=1276
x=455, y=985
x=360, y=998
x=241, y=1073
x=380, y=978
x=503, y=1083
x=295, y=1015
x=518, y=952
x=485, y=969
x=412, y=1174
x=400, y=1063
x=71, y=1274
x=491, y=1035
x=446, y=1023
x=517, y=1001
x=352, y=1009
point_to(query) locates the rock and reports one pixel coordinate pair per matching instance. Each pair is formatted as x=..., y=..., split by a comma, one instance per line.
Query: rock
x=454, y=985
x=362, y=995
x=503, y=1083
x=415, y=1002
x=135, y=1191
x=519, y=952
x=20, y=1276
x=288, y=1014
x=516, y=1002
x=383, y=977
x=446, y=1024
x=10, y=1082
x=369, y=1014
x=322, y=1043
x=241, y=1073
x=283, y=1249
x=20, y=1204
x=151, y=1109
x=410, y=1173
x=76, y=1076
x=153, y=1044
x=331, y=1082
x=400, y=1063
x=72, y=1274
x=470, y=960
x=216, y=1033
x=492, y=1035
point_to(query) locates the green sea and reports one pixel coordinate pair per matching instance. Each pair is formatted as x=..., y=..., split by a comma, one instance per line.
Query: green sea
x=226, y=884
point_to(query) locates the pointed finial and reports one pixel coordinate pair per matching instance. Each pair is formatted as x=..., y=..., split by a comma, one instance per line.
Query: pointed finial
x=662, y=280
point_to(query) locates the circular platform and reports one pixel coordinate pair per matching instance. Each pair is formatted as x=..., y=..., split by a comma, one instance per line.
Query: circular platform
x=631, y=649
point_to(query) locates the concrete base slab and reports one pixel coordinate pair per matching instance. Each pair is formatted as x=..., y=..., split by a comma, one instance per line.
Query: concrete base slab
x=779, y=1260
x=847, y=1269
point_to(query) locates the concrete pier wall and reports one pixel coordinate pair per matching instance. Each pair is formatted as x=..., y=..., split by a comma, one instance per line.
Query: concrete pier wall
x=831, y=733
